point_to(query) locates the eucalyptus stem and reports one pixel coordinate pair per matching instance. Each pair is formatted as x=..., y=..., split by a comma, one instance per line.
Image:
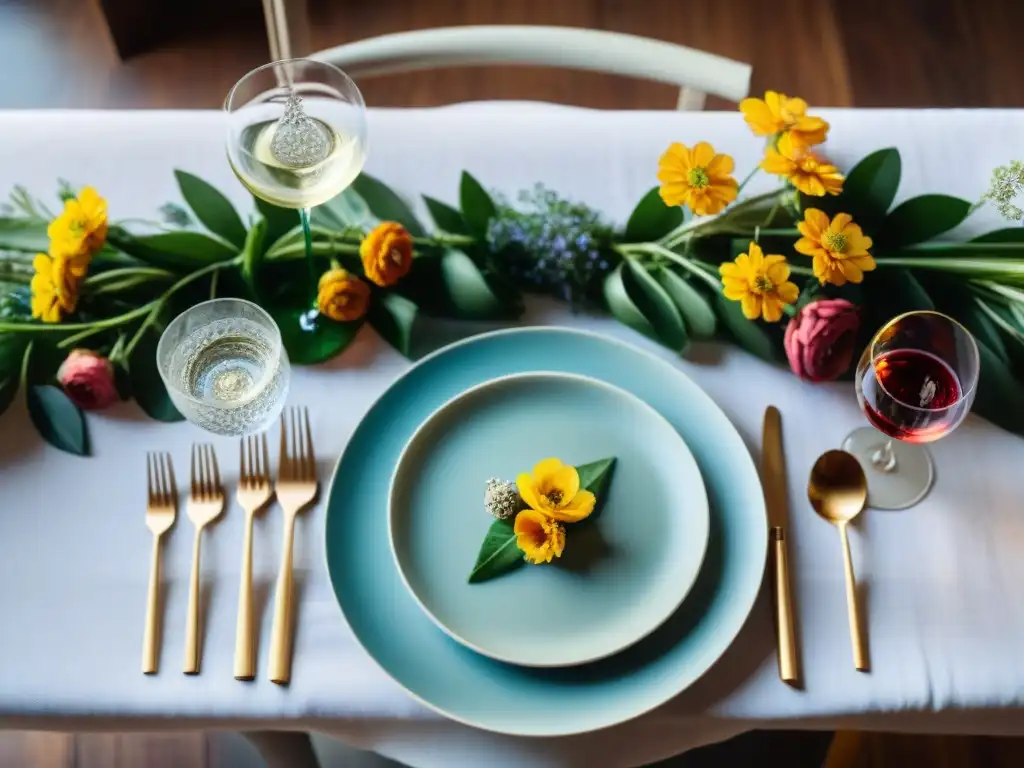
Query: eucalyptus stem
x=678, y=235
x=113, y=274
x=750, y=175
x=109, y=322
x=320, y=249
x=119, y=285
x=654, y=249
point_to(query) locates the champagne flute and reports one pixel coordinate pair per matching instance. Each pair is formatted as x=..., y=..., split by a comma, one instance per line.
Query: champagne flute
x=224, y=366
x=915, y=383
x=296, y=139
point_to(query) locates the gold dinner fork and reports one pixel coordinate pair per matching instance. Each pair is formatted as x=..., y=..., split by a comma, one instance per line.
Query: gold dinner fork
x=254, y=492
x=205, y=503
x=161, y=508
x=296, y=488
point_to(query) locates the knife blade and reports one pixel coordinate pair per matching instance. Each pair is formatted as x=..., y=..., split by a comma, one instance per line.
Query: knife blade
x=773, y=472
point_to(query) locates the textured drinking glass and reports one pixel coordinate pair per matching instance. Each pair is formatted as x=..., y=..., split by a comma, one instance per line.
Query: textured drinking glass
x=915, y=383
x=224, y=366
x=297, y=138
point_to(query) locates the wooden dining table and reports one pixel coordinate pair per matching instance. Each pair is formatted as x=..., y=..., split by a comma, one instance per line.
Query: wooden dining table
x=943, y=582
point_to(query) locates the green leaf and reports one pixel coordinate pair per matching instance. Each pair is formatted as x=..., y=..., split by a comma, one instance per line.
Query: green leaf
x=470, y=294
x=12, y=353
x=982, y=328
x=751, y=335
x=596, y=477
x=656, y=305
x=306, y=347
x=477, y=206
x=447, y=218
x=252, y=255
x=280, y=221
x=24, y=235
x=393, y=317
x=1008, y=235
x=697, y=313
x=146, y=384
x=348, y=209
x=921, y=218
x=870, y=188
x=173, y=250
x=895, y=291
x=996, y=389
x=652, y=219
x=58, y=420
x=621, y=305
x=211, y=208
x=498, y=554
x=385, y=204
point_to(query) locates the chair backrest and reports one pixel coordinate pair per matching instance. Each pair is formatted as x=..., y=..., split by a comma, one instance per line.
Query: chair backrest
x=697, y=73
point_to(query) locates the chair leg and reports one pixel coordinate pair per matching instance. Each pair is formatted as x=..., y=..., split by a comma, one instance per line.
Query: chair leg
x=284, y=749
x=287, y=28
x=691, y=100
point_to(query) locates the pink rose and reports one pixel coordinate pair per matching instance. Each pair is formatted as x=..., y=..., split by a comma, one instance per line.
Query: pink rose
x=88, y=380
x=821, y=339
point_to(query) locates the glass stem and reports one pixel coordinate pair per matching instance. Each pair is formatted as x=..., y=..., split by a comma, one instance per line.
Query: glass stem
x=884, y=458
x=310, y=263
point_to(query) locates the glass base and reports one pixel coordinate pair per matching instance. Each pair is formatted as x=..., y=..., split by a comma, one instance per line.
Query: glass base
x=906, y=483
x=309, y=337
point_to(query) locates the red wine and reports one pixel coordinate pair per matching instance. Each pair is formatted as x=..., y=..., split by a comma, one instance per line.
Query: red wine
x=911, y=396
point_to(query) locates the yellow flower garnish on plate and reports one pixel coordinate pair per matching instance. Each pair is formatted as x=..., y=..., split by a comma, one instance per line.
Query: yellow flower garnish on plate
x=760, y=283
x=838, y=247
x=54, y=288
x=698, y=178
x=554, y=491
x=539, y=537
x=777, y=113
x=80, y=230
x=802, y=168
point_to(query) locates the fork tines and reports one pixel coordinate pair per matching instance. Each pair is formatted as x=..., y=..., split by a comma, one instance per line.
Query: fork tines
x=205, y=473
x=160, y=479
x=253, y=462
x=297, y=460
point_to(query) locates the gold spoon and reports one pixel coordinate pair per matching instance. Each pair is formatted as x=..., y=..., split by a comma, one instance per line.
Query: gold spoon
x=838, y=490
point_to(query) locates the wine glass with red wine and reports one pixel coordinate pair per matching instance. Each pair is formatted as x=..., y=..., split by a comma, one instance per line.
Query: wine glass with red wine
x=915, y=383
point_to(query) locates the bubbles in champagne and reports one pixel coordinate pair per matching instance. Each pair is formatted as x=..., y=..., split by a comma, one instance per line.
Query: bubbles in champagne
x=300, y=141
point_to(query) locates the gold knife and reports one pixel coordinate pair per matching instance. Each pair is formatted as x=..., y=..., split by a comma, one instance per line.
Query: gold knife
x=773, y=471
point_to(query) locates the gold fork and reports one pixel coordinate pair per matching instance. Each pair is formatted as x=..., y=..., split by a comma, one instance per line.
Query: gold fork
x=205, y=503
x=296, y=488
x=161, y=508
x=254, y=492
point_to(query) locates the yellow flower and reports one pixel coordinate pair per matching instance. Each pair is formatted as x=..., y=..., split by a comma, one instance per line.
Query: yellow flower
x=804, y=169
x=386, y=253
x=778, y=113
x=760, y=283
x=80, y=230
x=342, y=296
x=554, y=490
x=698, y=178
x=838, y=247
x=54, y=288
x=540, y=537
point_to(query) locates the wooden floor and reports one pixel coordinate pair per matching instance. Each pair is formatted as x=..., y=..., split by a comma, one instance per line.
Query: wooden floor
x=867, y=53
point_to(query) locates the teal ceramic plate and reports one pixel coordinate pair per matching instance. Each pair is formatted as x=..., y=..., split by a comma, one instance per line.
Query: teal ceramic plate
x=527, y=701
x=624, y=571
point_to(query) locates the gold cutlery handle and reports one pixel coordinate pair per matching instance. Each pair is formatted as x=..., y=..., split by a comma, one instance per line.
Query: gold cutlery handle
x=245, y=638
x=150, y=655
x=281, y=637
x=788, y=670
x=860, y=655
x=192, y=620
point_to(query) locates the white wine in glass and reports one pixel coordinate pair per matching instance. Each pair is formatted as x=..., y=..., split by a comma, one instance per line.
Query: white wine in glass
x=296, y=139
x=224, y=366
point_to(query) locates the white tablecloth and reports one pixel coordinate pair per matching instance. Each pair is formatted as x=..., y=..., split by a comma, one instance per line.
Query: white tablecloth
x=944, y=580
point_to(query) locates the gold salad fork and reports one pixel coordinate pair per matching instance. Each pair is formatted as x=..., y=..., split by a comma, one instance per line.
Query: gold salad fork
x=205, y=503
x=161, y=508
x=254, y=492
x=296, y=488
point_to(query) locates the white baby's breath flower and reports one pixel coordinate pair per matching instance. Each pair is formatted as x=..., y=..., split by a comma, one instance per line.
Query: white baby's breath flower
x=1007, y=183
x=502, y=499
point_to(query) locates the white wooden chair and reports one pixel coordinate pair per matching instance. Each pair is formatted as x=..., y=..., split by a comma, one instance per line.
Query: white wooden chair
x=697, y=73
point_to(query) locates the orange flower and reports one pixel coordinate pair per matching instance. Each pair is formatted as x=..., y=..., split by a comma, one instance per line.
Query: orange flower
x=540, y=538
x=386, y=253
x=802, y=168
x=342, y=296
x=760, y=283
x=698, y=178
x=80, y=230
x=839, y=247
x=778, y=113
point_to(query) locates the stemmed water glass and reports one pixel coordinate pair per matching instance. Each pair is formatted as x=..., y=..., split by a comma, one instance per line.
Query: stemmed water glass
x=915, y=382
x=297, y=138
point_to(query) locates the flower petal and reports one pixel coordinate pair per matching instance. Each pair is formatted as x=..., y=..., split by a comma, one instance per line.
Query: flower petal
x=567, y=482
x=759, y=117
x=771, y=309
x=840, y=222
x=805, y=245
x=703, y=154
x=721, y=166
x=756, y=256
x=528, y=492
x=777, y=269
x=775, y=163
x=580, y=507
x=788, y=292
x=544, y=470
x=850, y=270
x=817, y=222
x=751, y=305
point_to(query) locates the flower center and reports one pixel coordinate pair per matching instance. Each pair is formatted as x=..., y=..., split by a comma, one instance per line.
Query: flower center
x=698, y=177
x=396, y=256
x=555, y=497
x=835, y=241
x=762, y=284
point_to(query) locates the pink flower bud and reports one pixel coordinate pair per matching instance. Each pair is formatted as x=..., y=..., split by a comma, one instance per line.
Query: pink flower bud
x=821, y=339
x=88, y=380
